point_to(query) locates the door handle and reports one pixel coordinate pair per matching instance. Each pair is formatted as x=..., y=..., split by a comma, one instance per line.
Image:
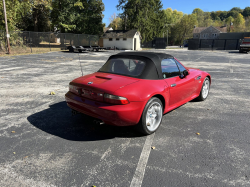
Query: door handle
x=198, y=78
x=173, y=85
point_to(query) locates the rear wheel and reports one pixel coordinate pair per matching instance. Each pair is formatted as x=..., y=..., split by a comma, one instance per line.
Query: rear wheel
x=204, y=90
x=151, y=117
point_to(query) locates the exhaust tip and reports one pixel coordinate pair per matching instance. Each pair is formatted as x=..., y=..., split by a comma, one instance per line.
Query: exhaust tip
x=98, y=122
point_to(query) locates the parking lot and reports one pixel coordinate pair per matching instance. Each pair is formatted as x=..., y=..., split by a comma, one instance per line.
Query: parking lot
x=43, y=145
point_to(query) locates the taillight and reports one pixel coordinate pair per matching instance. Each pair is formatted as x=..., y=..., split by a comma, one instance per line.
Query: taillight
x=72, y=88
x=117, y=100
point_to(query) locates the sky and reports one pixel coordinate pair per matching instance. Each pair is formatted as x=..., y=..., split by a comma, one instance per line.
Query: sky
x=185, y=6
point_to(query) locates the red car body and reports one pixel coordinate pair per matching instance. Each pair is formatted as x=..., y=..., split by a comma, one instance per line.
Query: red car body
x=136, y=90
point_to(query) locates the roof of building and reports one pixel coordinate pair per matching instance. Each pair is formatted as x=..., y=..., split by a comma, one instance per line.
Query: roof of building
x=197, y=30
x=120, y=33
x=106, y=29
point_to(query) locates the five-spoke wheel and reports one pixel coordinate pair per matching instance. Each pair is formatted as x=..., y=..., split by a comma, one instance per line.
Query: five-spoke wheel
x=151, y=116
x=204, y=90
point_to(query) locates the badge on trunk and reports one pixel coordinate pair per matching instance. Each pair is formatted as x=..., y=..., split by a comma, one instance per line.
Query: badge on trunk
x=90, y=83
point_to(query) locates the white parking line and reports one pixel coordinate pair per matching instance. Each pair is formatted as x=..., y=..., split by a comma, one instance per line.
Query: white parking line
x=199, y=58
x=140, y=169
x=7, y=69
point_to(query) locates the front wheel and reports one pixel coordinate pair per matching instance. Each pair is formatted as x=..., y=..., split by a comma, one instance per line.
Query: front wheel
x=204, y=90
x=151, y=117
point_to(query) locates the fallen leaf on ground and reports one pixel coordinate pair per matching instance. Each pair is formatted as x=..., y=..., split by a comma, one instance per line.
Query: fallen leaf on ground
x=14, y=153
x=152, y=147
x=198, y=133
x=13, y=131
x=52, y=93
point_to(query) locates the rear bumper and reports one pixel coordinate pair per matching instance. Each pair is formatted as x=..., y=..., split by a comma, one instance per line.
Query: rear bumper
x=245, y=48
x=118, y=115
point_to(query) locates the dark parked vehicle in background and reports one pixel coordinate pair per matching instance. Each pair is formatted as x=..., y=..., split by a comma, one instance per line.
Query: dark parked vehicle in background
x=245, y=45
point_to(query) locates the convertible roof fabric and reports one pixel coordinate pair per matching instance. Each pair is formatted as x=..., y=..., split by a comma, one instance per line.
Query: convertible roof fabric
x=153, y=62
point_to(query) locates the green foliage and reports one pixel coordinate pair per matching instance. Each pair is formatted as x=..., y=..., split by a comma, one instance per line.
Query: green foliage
x=237, y=9
x=82, y=16
x=239, y=23
x=115, y=22
x=233, y=14
x=183, y=29
x=144, y=15
x=246, y=12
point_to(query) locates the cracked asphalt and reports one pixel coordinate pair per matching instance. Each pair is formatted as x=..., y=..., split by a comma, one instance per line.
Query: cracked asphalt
x=43, y=145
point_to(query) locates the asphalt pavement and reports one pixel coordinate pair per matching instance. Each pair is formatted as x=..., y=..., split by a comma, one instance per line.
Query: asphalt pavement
x=198, y=144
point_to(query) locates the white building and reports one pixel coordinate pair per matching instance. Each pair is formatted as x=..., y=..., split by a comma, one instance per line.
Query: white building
x=122, y=39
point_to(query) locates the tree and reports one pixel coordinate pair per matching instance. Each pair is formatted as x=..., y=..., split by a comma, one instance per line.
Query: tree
x=246, y=12
x=247, y=23
x=237, y=9
x=207, y=19
x=12, y=14
x=199, y=16
x=183, y=29
x=228, y=21
x=41, y=14
x=144, y=15
x=239, y=23
x=170, y=18
x=222, y=15
x=232, y=13
x=115, y=22
x=81, y=16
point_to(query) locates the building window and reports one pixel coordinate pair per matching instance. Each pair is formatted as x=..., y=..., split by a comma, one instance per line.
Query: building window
x=110, y=39
x=117, y=39
x=124, y=39
x=204, y=35
x=214, y=35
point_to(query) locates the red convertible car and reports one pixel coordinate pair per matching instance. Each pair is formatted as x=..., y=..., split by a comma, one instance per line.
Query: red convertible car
x=137, y=88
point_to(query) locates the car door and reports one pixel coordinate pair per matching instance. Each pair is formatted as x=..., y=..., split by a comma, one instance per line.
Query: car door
x=192, y=78
x=178, y=86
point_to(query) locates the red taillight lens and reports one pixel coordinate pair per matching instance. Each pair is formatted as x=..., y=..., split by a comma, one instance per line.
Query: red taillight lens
x=117, y=100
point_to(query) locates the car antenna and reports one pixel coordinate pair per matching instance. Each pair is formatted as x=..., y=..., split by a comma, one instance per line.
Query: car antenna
x=80, y=63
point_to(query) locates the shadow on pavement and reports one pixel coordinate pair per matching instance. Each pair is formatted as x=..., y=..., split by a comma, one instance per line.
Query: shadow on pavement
x=58, y=121
x=238, y=52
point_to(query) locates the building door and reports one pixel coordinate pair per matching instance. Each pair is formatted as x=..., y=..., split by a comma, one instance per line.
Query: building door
x=135, y=44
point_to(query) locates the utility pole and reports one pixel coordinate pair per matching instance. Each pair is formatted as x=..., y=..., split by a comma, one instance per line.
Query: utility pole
x=6, y=26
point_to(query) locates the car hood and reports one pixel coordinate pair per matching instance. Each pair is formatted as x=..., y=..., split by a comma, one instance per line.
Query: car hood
x=104, y=82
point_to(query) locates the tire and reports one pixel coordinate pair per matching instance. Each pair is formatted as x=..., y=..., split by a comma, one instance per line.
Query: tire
x=71, y=49
x=240, y=51
x=204, y=90
x=151, y=117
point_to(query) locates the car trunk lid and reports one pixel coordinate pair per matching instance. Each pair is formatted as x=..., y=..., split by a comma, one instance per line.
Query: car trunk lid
x=95, y=85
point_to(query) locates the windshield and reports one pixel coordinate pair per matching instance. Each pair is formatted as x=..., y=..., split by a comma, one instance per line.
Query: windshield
x=124, y=66
x=246, y=40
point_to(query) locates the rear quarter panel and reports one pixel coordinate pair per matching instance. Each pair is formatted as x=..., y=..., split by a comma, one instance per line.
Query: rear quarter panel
x=143, y=90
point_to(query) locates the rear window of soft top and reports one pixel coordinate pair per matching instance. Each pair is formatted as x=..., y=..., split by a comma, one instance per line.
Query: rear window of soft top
x=124, y=66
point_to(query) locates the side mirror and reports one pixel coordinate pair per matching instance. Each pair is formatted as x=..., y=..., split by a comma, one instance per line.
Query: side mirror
x=185, y=73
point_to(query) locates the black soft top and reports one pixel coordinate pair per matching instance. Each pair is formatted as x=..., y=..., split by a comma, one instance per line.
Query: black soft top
x=153, y=62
